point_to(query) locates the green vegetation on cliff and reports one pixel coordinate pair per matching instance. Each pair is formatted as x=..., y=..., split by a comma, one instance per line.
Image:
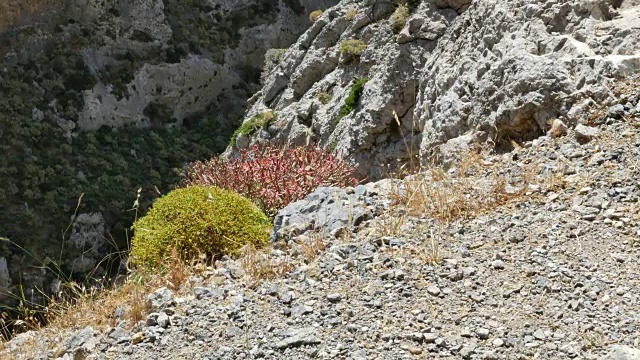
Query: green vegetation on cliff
x=204, y=28
x=251, y=126
x=351, y=101
x=47, y=164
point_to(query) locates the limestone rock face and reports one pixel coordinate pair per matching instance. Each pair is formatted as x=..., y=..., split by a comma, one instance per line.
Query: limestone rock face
x=501, y=70
x=131, y=36
x=206, y=80
x=220, y=77
x=88, y=239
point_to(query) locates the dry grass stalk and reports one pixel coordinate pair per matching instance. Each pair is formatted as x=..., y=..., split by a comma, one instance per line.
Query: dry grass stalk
x=312, y=247
x=260, y=265
x=470, y=188
x=434, y=257
x=177, y=271
x=390, y=225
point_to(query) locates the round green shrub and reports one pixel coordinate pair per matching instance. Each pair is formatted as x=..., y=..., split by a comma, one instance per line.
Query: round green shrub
x=198, y=220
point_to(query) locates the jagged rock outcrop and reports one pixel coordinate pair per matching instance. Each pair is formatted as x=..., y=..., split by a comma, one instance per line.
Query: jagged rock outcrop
x=219, y=72
x=487, y=70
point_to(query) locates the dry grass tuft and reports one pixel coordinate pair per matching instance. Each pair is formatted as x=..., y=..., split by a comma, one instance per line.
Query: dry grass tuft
x=311, y=247
x=99, y=309
x=260, y=265
x=465, y=190
x=429, y=253
x=400, y=16
x=315, y=15
x=351, y=14
x=125, y=299
x=433, y=255
x=390, y=225
x=177, y=271
x=121, y=303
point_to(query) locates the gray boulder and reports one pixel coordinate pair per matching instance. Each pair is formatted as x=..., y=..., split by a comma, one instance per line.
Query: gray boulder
x=160, y=299
x=5, y=277
x=79, y=345
x=584, y=133
x=328, y=210
x=88, y=240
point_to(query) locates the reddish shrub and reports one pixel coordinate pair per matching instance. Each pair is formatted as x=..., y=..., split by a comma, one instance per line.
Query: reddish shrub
x=274, y=176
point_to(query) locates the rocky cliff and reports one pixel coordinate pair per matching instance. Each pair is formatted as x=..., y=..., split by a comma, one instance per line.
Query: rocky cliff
x=101, y=98
x=452, y=72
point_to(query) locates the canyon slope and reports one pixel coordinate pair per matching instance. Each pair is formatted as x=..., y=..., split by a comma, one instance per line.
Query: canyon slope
x=102, y=104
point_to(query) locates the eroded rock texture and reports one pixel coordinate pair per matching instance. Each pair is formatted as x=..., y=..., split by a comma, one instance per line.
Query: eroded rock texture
x=486, y=70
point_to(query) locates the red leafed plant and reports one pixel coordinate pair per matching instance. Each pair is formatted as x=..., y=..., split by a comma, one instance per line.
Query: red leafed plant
x=273, y=176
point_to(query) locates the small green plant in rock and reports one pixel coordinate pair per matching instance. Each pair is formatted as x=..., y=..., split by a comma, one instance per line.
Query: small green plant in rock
x=272, y=58
x=315, y=15
x=251, y=126
x=333, y=145
x=197, y=220
x=400, y=16
x=280, y=54
x=352, y=100
x=324, y=97
x=352, y=49
x=351, y=14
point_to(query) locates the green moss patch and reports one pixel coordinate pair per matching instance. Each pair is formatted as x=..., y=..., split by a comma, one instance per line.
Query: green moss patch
x=351, y=101
x=251, y=126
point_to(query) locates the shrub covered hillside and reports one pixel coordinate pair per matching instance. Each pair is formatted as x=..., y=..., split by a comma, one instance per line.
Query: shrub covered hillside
x=106, y=102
